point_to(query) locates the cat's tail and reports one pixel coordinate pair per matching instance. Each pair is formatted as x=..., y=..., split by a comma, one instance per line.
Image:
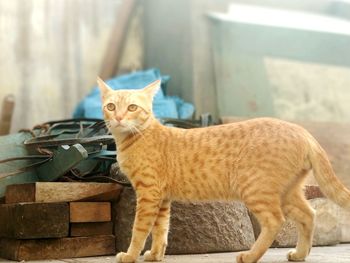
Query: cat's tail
x=329, y=183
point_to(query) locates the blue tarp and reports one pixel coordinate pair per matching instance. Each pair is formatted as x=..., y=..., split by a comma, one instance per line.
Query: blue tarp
x=163, y=106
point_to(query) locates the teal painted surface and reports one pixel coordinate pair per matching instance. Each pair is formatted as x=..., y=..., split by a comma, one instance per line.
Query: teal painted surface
x=12, y=146
x=241, y=80
x=239, y=49
x=63, y=160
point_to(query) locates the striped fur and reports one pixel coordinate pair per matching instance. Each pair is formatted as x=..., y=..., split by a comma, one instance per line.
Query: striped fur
x=261, y=162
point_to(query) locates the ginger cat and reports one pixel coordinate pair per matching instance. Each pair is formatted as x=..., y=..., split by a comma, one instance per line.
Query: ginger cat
x=261, y=162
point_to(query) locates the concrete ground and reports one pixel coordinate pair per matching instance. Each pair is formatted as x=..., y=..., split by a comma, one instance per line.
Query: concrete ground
x=334, y=254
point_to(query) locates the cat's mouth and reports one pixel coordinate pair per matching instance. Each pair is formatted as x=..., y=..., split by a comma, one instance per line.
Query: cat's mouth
x=119, y=126
x=122, y=126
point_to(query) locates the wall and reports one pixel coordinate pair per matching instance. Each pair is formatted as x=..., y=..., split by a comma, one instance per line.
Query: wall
x=168, y=42
x=50, y=54
x=178, y=41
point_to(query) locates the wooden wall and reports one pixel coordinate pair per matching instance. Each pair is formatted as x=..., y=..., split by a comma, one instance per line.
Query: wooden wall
x=50, y=54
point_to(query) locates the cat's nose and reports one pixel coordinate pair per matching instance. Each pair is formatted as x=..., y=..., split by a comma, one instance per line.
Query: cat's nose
x=118, y=117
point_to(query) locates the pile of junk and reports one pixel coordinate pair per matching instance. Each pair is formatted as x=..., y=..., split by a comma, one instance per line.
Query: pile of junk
x=82, y=149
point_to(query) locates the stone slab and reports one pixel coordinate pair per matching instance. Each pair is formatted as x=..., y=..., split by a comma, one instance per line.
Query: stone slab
x=194, y=227
x=327, y=226
x=344, y=220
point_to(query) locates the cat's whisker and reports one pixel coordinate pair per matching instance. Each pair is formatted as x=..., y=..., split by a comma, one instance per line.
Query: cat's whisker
x=108, y=123
x=130, y=128
x=137, y=130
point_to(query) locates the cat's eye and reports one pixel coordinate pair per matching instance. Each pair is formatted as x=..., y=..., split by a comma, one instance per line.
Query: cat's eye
x=110, y=107
x=132, y=107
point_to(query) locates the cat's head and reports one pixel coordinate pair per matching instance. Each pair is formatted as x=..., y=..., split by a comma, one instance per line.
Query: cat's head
x=127, y=111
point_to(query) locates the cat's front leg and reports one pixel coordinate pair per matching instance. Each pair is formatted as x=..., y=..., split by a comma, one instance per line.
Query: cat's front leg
x=159, y=234
x=147, y=209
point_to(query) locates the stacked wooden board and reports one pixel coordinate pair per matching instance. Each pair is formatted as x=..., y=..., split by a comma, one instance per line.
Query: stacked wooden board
x=57, y=220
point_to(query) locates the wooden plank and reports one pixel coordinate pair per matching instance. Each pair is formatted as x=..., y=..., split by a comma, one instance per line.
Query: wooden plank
x=62, y=192
x=91, y=229
x=81, y=212
x=39, y=249
x=19, y=193
x=6, y=114
x=114, y=50
x=34, y=220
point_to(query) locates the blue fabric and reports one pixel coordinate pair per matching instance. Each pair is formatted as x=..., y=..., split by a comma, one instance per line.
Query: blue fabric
x=163, y=106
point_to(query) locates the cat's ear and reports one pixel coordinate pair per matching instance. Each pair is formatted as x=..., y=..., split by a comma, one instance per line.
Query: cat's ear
x=152, y=88
x=104, y=88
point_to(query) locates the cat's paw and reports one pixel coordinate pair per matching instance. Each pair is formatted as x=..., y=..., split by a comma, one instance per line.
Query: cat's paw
x=293, y=255
x=245, y=257
x=125, y=258
x=149, y=256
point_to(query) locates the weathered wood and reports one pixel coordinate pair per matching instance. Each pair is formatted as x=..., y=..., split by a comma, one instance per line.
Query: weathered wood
x=62, y=192
x=114, y=50
x=81, y=212
x=57, y=248
x=86, y=24
x=6, y=114
x=19, y=193
x=34, y=220
x=91, y=229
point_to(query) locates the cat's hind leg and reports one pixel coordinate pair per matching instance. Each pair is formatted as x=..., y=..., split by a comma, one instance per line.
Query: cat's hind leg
x=296, y=208
x=159, y=234
x=267, y=210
